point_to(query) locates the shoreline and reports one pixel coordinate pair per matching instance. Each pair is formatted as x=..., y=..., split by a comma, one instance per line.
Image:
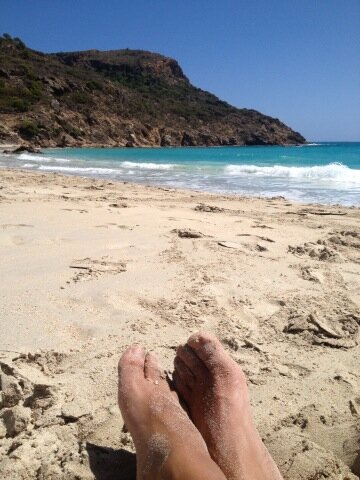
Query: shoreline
x=187, y=191
x=90, y=266
x=13, y=146
x=346, y=199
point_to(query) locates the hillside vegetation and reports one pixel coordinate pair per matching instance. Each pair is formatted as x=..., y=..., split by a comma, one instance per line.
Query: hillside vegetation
x=118, y=98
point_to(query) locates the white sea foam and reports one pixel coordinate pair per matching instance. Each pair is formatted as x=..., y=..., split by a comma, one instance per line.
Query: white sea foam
x=335, y=172
x=86, y=170
x=42, y=158
x=149, y=166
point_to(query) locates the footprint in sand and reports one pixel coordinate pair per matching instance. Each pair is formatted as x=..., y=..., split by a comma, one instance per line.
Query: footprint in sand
x=310, y=274
x=208, y=208
x=90, y=268
x=330, y=322
x=317, y=251
x=348, y=242
x=243, y=247
x=188, y=233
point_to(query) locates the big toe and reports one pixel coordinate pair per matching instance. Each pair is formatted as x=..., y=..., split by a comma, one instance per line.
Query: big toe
x=131, y=366
x=209, y=349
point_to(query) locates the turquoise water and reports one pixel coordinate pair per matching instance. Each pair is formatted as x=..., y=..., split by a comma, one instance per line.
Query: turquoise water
x=322, y=173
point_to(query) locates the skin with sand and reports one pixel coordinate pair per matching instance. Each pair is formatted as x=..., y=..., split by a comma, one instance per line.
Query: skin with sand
x=217, y=439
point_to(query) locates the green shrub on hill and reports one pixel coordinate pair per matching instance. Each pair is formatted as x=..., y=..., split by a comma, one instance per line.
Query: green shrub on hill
x=94, y=85
x=28, y=128
x=19, y=104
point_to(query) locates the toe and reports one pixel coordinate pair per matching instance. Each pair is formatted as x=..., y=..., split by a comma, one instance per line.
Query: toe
x=182, y=388
x=209, y=349
x=192, y=362
x=184, y=373
x=132, y=362
x=131, y=373
x=153, y=370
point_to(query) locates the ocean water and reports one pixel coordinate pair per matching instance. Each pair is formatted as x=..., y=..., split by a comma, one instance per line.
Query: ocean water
x=327, y=173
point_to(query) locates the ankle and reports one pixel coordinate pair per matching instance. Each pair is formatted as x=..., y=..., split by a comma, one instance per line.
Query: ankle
x=181, y=465
x=246, y=457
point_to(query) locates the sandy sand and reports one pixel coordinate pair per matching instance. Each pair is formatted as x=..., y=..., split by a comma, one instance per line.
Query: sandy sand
x=89, y=267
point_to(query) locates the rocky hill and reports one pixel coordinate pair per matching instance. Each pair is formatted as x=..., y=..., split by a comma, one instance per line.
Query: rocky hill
x=118, y=98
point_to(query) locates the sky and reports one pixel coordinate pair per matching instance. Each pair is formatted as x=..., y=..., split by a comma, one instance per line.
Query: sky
x=297, y=60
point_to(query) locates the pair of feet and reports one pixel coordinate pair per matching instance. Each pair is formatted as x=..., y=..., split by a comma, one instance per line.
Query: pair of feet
x=210, y=435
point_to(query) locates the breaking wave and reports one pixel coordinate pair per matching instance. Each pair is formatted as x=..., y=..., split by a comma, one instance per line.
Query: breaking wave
x=149, y=166
x=86, y=170
x=42, y=158
x=335, y=172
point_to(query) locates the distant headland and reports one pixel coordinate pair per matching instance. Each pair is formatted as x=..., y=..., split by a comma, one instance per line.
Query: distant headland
x=129, y=98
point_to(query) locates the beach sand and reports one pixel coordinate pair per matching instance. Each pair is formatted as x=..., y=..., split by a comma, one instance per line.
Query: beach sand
x=89, y=267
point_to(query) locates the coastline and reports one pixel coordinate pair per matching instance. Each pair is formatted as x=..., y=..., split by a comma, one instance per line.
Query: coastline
x=325, y=174
x=30, y=147
x=90, y=266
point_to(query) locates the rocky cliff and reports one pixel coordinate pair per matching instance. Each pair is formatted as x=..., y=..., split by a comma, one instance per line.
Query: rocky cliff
x=118, y=98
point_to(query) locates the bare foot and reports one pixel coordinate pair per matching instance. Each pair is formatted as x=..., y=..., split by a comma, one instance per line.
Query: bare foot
x=168, y=446
x=213, y=387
